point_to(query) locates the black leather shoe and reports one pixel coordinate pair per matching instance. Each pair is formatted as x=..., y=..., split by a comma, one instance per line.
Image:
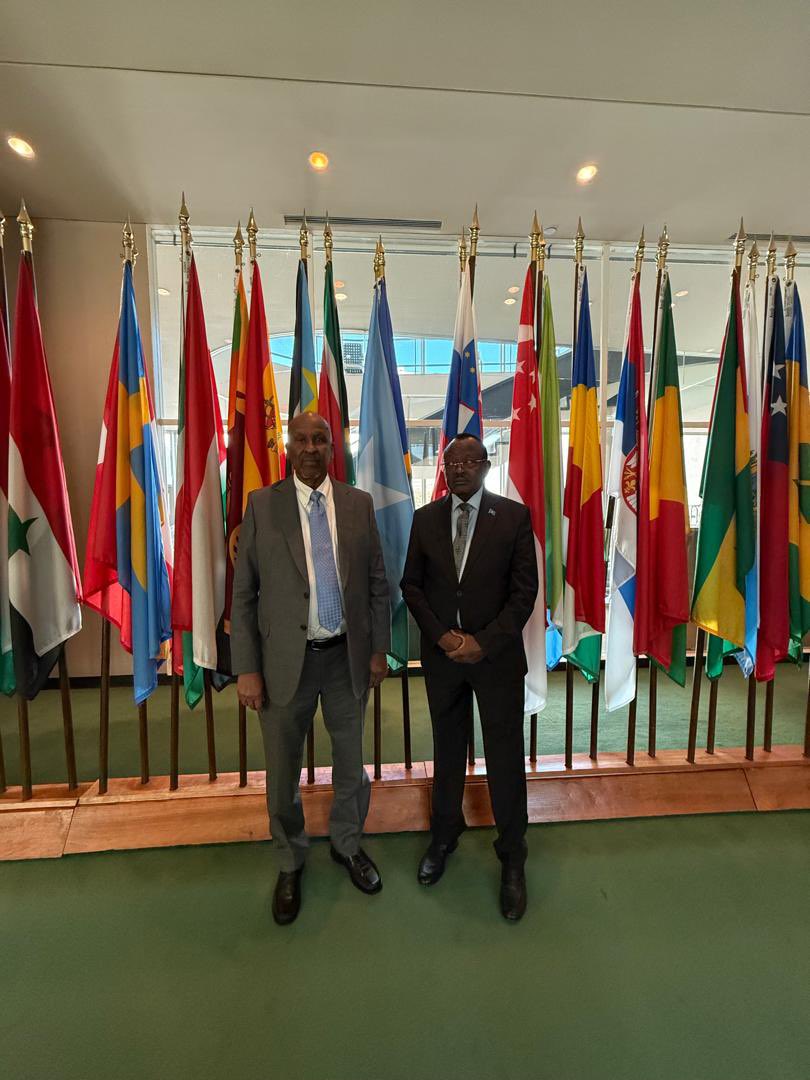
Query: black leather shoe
x=431, y=866
x=513, y=893
x=287, y=897
x=364, y=874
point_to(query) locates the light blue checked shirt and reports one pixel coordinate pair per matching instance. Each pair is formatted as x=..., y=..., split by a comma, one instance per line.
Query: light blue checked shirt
x=303, y=491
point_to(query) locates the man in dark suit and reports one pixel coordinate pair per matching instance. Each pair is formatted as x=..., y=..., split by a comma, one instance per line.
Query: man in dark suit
x=470, y=581
x=311, y=620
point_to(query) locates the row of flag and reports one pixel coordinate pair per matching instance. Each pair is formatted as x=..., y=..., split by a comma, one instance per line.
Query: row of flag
x=751, y=591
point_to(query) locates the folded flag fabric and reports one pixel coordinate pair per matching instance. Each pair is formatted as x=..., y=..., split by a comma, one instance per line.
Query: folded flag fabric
x=552, y=478
x=333, y=401
x=799, y=473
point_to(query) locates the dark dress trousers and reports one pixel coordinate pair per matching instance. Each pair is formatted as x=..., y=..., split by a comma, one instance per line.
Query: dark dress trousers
x=269, y=623
x=494, y=599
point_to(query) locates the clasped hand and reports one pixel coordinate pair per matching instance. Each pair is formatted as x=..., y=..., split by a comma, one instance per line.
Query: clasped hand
x=461, y=647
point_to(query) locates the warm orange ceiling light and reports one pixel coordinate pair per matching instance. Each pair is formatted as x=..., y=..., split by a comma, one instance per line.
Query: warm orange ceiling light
x=587, y=173
x=20, y=146
x=339, y=284
x=319, y=161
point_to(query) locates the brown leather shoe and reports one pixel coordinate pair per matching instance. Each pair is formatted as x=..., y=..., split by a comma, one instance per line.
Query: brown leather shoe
x=287, y=897
x=364, y=874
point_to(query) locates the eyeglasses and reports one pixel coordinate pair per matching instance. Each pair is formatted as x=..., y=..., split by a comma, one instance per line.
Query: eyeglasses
x=466, y=466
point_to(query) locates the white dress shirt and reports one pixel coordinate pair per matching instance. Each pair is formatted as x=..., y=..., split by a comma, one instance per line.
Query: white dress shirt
x=304, y=491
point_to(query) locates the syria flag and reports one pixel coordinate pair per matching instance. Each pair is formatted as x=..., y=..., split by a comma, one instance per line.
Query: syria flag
x=525, y=485
x=43, y=571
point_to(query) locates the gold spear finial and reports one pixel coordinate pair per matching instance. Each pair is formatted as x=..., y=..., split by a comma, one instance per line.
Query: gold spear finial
x=379, y=260
x=579, y=243
x=739, y=246
x=462, y=248
x=534, y=239
x=541, y=249
x=663, y=248
x=252, y=231
x=639, y=253
x=790, y=261
x=238, y=245
x=475, y=228
x=771, y=256
x=2, y=229
x=753, y=262
x=327, y=239
x=185, y=231
x=26, y=228
x=128, y=240
x=303, y=237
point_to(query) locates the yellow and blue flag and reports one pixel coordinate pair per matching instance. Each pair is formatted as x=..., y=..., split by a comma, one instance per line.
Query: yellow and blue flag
x=128, y=548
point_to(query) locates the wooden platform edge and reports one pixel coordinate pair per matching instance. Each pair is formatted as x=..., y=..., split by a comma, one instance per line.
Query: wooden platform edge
x=131, y=816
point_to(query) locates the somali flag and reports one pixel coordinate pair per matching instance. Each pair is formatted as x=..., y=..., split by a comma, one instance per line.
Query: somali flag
x=387, y=338
x=126, y=564
x=381, y=471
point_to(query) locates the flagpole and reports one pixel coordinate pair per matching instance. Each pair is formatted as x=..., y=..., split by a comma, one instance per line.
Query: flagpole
x=537, y=257
x=770, y=273
x=475, y=229
x=751, y=710
x=174, y=723
x=661, y=261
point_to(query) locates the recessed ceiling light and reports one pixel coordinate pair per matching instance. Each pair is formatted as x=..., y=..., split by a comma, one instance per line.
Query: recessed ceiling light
x=164, y=292
x=20, y=146
x=587, y=173
x=513, y=289
x=339, y=284
x=340, y=296
x=510, y=300
x=550, y=230
x=319, y=161
x=682, y=292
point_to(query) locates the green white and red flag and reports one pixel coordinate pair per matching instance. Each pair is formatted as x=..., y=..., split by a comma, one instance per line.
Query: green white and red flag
x=333, y=403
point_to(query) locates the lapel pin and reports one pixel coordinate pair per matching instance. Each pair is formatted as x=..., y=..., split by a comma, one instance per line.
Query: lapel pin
x=492, y=511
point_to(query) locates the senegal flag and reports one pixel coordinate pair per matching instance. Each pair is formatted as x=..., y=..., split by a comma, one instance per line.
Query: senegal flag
x=726, y=539
x=798, y=472
x=669, y=520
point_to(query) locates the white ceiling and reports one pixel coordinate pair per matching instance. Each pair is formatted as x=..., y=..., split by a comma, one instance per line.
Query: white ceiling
x=423, y=107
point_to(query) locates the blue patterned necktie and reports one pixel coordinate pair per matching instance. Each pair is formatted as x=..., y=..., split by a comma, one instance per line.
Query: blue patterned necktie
x=330, y=605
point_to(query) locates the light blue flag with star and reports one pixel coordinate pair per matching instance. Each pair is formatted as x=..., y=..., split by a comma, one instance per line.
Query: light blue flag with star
x=381, y=471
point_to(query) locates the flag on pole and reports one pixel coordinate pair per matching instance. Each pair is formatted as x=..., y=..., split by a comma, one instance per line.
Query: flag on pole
x=263, y=438
x=303, y=380
x=669, y=516
x=726, y=541
x=199, y=580
x=387, y=338
x=583, y=523
x=126, y=569
x=235, y=454
x=524, y=484
x=799, y=474
x=773, y=545
x=462, y=403
x=628, y=484
x=381, y=471
x=332, y=398
x=7, y=681
x=552, y=479
x=43, y=571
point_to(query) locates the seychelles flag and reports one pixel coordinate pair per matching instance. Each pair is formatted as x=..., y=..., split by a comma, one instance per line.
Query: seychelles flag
x=462, y=405
x=128, y=546
x=628, y=484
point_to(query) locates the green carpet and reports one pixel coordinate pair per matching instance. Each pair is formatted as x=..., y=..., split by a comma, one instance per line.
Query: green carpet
x=47, y=747
x=670, y=949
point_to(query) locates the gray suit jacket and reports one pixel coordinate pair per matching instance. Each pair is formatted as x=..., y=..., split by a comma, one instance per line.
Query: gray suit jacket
x=271, y=588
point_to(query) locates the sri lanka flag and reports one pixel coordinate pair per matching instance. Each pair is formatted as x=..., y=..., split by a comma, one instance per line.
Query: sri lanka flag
x=583, y=523
x=524, y=484
x=263, y=438
x=628, y=484
x=126, y=569
x=774, y=624
x=303, y=380
x=235, y=454
x=668, y=580
x=726, y=541
x=799, y=473
x=43, y=571
x=462, y=404
x=198, y=600
x=332, y=397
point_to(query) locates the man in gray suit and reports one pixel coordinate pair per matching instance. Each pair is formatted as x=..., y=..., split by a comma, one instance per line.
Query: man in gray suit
x=311, y=619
